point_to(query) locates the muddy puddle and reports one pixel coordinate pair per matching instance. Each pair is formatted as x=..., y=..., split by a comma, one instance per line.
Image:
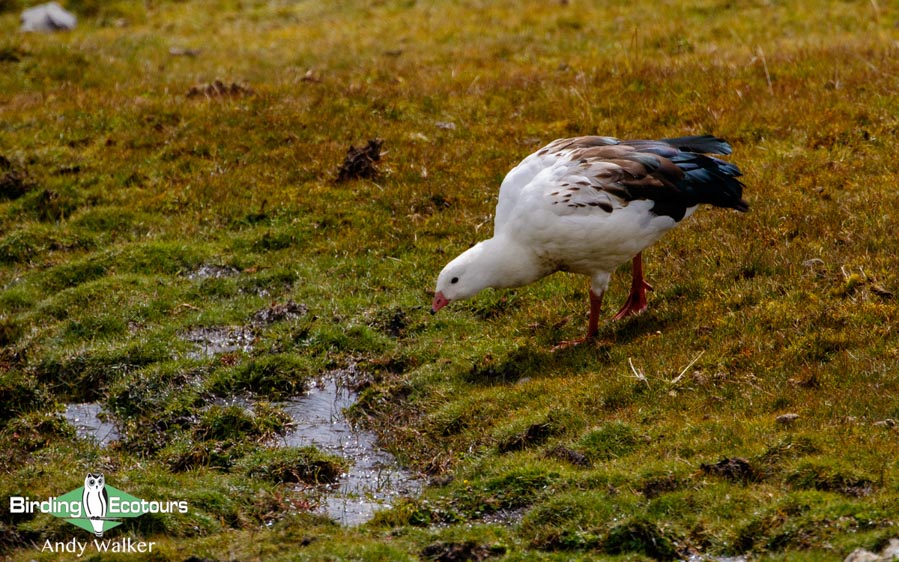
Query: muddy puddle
x=90, y=422
x=374, y=480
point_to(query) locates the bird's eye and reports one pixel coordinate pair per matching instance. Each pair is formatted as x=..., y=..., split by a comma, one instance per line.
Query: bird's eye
x=454, y=280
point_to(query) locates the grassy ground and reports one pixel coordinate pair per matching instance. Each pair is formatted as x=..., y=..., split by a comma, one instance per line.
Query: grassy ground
x=664, y=439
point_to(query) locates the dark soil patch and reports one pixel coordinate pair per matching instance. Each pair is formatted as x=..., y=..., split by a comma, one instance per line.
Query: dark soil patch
x=535, y=434
x=658, y=485
x=570, y=456
x=14, y=181
x=360, y=162
x=219, y=89
x=454, y=551
x=392, y=322
x=735, y=469
x=279, y=312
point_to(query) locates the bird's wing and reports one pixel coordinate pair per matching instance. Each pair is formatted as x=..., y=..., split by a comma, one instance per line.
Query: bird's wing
x=524, y=174
x=597, y=175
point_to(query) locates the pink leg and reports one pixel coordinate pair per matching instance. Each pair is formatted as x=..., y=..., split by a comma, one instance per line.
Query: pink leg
x=636, y=300
x=592, y=324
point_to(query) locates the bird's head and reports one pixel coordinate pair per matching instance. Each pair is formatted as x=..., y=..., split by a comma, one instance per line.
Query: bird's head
x=497, y=262
x=462, y=278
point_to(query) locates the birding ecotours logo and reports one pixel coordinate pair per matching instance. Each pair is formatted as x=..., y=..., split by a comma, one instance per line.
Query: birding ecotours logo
x=95, y=502
x=95, y=507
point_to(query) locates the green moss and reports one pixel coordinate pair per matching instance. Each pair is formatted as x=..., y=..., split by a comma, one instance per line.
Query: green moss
x=611, y=441
x=830, y=477
x=84, y=375
x=19, y=393
x=126, y=187
x=237, y=422
x=303, y=465
x=274, y=376
x=642, y=536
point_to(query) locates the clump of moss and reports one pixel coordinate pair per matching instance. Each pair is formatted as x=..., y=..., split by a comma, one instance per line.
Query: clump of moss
x=611, y=441
x=83, y=376
x=235, y=422
x=293, y=465
x=19, y=394
x=534, y=434
x=643, y=536
x=10, y=331
x=217, y=437
x=514, y=489
x=155, y=389
x=274, y=376
x=33, y=431
x=829, y=477
x=186, y=453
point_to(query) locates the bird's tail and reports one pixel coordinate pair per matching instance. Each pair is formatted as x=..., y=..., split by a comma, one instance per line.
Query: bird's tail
x=708, y=179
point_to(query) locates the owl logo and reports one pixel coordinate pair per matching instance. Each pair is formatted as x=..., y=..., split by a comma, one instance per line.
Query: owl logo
x=95, y=501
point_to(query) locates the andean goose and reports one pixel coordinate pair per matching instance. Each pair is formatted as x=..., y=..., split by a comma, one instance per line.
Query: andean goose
x=587, y=205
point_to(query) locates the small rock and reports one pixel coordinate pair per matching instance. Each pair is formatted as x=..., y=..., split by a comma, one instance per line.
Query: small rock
x=888, y=554
x=814, y=262
x=891, y=552
x=311, y=76
x=862, y=555
x=787, y=419
x=889, y=422
x=47, y=17
x=446, y=125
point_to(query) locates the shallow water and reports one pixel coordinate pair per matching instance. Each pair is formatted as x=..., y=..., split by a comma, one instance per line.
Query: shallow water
x=373, y=481
x=88, y=421
x=210, y=342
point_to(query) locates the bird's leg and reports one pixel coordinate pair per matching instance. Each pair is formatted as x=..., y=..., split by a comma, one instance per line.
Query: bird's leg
x=636, y=300
x=592, y=323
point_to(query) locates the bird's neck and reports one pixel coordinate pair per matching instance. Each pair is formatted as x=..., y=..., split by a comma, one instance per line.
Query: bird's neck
x=506, y=263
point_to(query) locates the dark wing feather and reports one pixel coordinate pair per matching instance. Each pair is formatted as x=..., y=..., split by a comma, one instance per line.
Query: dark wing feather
x=673, y=173
x=705, y=144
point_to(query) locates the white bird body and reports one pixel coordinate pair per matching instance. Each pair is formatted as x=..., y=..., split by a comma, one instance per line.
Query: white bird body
x=587, y=205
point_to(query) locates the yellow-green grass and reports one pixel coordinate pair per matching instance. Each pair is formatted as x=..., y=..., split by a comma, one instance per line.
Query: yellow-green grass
x=606, y=450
